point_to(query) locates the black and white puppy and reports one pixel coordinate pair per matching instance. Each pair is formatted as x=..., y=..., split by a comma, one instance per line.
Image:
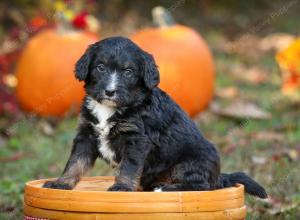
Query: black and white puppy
x=135, y=126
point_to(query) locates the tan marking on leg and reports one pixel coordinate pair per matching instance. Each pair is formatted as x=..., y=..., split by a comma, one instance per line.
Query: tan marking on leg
x=75, y=172
x=131, y=181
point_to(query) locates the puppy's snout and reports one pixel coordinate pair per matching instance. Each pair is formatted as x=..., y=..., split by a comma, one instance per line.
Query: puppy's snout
x=109, y=92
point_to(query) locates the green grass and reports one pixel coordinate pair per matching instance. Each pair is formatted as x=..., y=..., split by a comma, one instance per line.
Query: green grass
x=262, y=148
x=279, y=173
x=45, y=155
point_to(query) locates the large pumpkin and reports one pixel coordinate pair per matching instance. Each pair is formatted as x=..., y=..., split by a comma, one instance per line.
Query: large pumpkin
x=184, y=60
x=45, y=72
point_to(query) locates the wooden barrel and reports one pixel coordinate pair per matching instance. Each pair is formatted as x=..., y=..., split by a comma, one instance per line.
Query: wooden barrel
x=90, y=201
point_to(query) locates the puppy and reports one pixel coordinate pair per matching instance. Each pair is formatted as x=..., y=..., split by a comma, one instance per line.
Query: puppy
x=135, y=126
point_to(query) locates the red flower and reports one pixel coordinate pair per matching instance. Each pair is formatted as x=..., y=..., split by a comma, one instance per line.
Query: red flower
x=80, y=20
x=37, y=22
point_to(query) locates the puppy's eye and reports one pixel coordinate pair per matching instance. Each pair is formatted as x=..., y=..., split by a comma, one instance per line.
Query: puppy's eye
x=101, y=68
x=128, y=73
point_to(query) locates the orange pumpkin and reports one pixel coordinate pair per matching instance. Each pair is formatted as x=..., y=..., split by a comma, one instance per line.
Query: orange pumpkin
x=45, y=72
x=184, y=60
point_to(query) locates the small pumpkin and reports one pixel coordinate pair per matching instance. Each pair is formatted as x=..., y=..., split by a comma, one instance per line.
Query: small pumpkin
x=45, y=72
x=184, y=60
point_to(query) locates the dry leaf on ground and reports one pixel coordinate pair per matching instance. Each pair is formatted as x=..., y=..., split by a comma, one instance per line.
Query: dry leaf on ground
x=229, y=92
x=240, y=110
x=268, y=136
x=253, y=75
x=276, y=41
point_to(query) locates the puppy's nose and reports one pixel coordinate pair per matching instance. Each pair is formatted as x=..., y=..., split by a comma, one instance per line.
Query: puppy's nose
x=109, y=92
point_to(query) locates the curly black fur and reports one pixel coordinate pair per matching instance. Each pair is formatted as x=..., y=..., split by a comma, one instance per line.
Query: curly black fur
x=132, y=124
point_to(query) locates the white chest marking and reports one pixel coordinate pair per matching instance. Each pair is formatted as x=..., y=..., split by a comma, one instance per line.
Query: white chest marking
x=102, y=113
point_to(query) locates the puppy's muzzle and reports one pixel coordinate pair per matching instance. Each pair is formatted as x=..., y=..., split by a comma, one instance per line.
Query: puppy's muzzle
x=110, y=92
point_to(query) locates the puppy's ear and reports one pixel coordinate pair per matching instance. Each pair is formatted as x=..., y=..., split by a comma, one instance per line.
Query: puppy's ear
x=151, y=74
x=82, y=65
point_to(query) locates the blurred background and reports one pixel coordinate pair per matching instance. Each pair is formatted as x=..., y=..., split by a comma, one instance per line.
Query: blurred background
x=234, y=66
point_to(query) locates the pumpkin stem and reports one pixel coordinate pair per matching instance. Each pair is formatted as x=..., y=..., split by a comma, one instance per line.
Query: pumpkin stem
x=162, y=17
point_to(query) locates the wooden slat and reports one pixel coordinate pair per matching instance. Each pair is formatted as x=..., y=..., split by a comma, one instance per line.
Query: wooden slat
x=139, y=207
x=231, y=214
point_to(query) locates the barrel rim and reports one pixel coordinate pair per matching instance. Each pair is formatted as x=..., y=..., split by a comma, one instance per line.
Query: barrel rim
x=130, y=202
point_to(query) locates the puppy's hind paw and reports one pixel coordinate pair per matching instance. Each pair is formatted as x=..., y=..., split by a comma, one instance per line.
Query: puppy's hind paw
x=169, y=188
x=159, y=187
x=57, y=185
x=120, y=187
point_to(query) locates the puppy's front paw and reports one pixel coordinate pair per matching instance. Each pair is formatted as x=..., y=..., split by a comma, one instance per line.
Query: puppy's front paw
x=57, y=185
x=120, y=187
x=167, y=188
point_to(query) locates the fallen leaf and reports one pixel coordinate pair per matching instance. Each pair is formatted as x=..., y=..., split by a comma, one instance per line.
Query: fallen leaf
x=246, y=45
x=259, y=160
x=254, y=75
x=268, y=136
x=279, y=207
x=10, y=80
x=3, y=141
x=16, y=156
x=276, y=41
x=230, y=149
x=286, y=127
x=46, y=128
x=227, y=92
x=293, y=154
x=240, y=110
x=286, y=152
